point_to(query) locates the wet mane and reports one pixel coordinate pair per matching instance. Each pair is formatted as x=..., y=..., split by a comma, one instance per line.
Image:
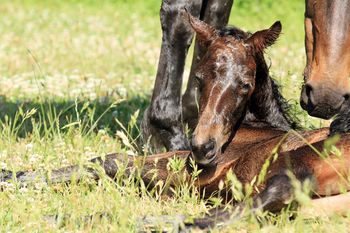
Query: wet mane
x=235, y=32
x=267, y=108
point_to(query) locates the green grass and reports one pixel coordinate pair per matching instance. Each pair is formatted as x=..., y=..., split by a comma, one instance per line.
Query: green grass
x=71, y=70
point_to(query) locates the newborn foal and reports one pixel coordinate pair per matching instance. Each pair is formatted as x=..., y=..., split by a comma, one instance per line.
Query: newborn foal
x=235, y=84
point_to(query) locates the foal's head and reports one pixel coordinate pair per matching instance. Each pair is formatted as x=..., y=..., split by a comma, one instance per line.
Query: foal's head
x=226, y=77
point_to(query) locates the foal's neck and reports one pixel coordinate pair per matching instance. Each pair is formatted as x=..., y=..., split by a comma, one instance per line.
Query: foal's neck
x=267, y=107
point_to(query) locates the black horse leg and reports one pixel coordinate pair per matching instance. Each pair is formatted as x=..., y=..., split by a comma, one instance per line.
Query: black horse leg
x=163, y=119
x=215, y=13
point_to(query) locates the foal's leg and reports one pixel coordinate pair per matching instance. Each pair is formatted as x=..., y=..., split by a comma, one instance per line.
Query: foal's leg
x=328, y=174
x=163, y=119
x=215, y=13
x=278, y=193
x=151, y=169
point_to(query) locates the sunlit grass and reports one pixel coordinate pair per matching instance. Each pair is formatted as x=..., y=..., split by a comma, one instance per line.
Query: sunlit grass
x=73, y=72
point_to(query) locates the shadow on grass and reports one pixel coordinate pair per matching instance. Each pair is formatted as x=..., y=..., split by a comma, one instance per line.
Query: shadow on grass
x=60, y=115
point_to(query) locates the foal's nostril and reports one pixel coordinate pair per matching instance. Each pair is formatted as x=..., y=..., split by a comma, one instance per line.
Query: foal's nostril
x=203, y=148
x=346, y=97
x=203, y=153
x=210, y=145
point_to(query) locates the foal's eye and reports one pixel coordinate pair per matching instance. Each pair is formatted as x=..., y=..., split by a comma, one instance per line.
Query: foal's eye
x=246, y=87
x=198, y=78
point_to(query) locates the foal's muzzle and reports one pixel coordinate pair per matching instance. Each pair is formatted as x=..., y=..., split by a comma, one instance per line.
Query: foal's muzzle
x=204, y=154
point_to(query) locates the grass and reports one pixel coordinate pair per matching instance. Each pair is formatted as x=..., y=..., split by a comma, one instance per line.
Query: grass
x=73, y=73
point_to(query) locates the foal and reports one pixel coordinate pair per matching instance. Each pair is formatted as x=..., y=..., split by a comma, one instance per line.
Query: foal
x=234, y=77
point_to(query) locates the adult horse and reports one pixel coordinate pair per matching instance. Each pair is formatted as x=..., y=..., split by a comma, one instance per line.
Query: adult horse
x=327, y=44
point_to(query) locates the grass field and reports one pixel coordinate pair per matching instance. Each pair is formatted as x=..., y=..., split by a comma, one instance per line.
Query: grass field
x=76, y=77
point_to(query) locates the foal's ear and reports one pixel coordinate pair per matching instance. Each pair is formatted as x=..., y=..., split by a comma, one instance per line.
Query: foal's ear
x=205, y=33
x=264, y=38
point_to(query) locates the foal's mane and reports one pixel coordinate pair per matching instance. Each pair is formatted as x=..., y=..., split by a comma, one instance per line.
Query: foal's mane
x=267, y=106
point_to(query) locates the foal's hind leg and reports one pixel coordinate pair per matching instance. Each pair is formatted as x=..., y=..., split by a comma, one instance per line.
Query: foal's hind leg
x=163, y=119
x=278, y=193
x=215, y=13
x=328, y=175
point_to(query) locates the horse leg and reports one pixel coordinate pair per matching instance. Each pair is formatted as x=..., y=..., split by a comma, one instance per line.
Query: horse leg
x=162, y=120
x=273, y=198
x=278, y=194
x=151, y=169
x=215, y=13
x=328, y=175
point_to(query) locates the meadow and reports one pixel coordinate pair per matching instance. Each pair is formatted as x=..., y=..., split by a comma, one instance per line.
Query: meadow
x=75, y=78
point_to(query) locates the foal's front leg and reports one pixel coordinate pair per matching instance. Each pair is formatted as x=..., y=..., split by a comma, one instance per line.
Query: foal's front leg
x=163, y=119
x=215, y=13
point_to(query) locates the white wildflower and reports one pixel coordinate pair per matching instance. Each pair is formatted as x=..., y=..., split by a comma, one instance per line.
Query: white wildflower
x=29, y=147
